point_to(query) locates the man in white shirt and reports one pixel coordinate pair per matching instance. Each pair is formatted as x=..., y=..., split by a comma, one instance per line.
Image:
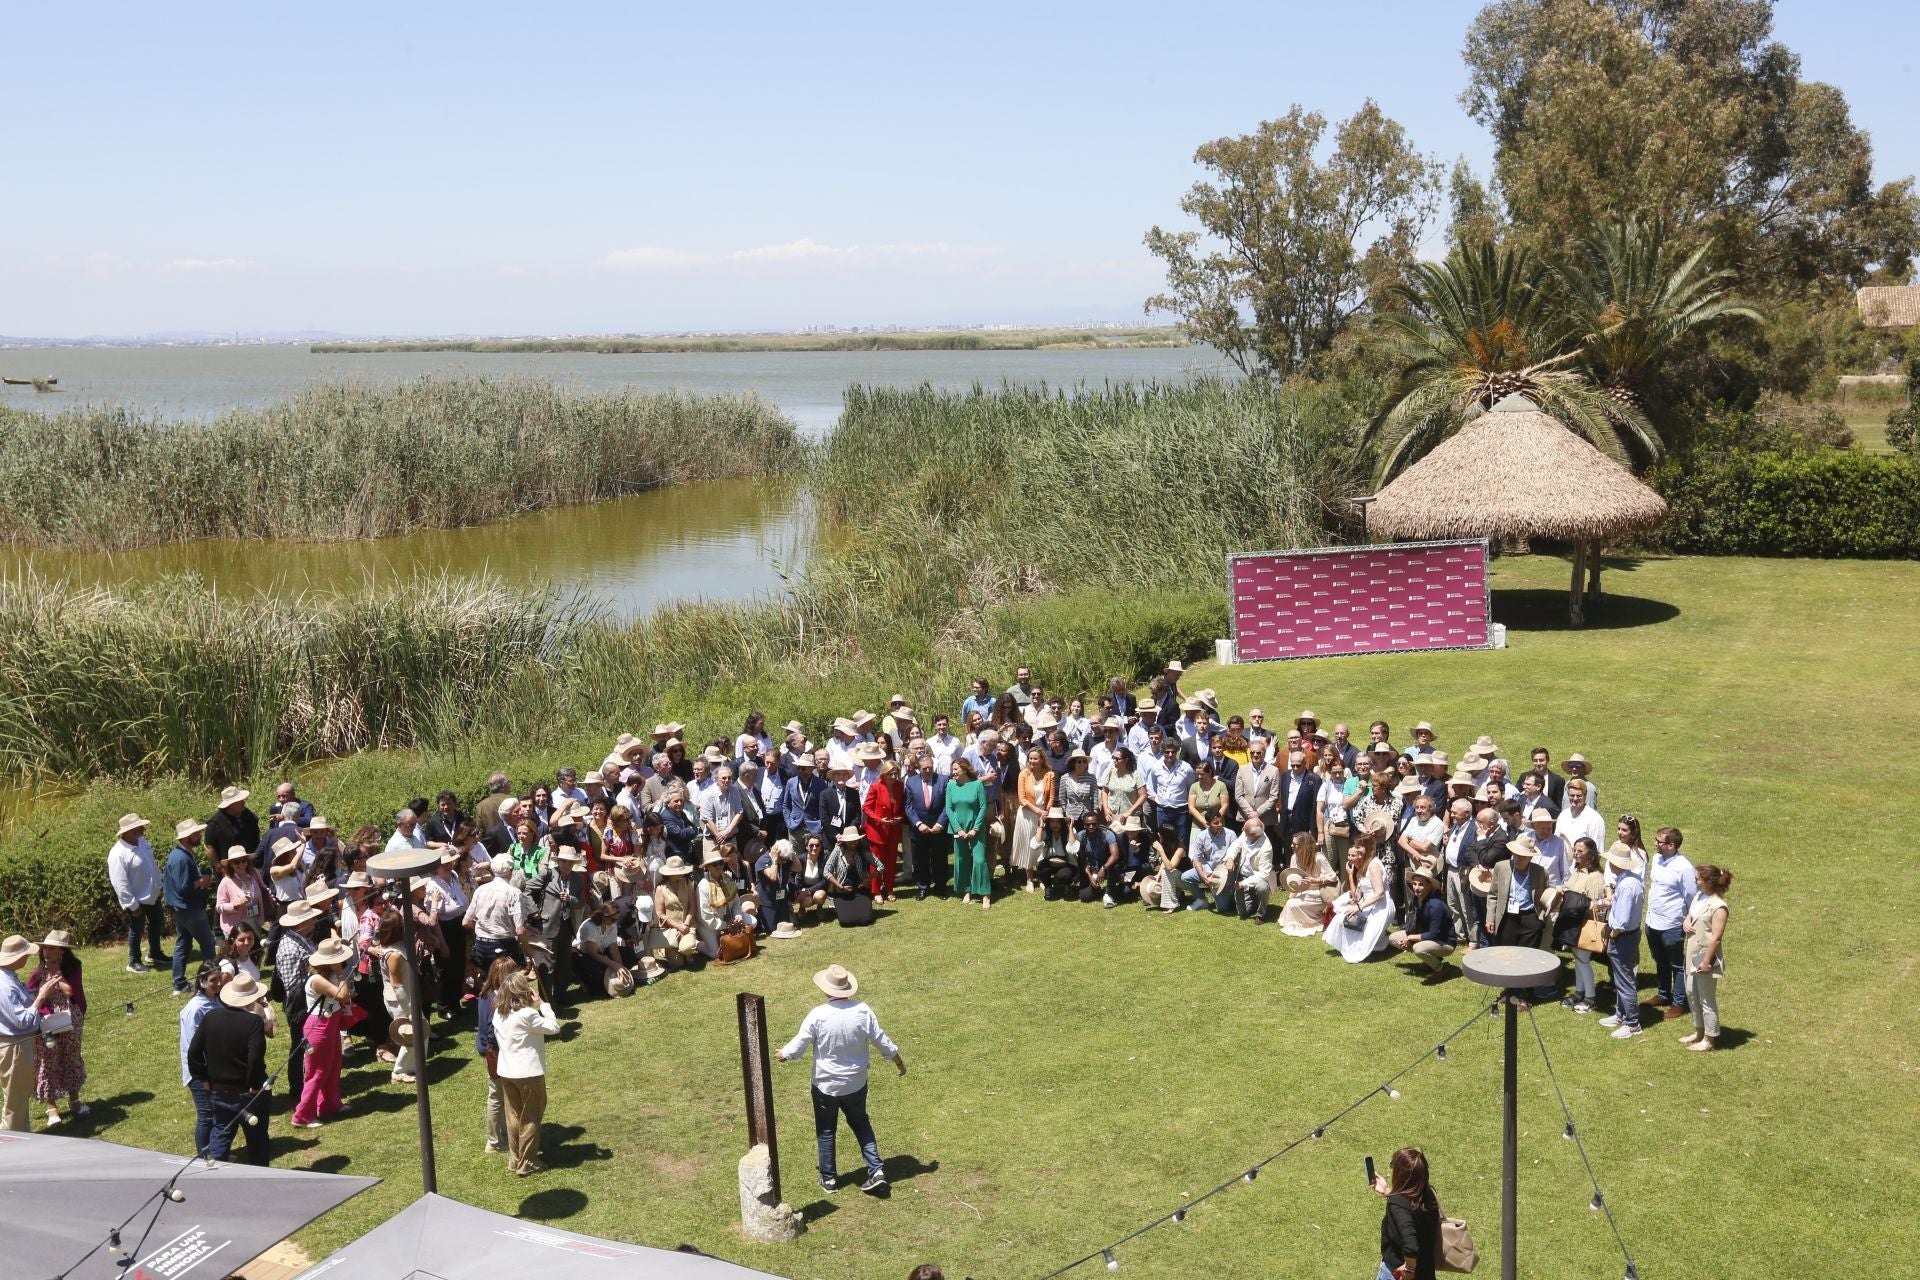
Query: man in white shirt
x=1422, y=837
x=721, y=810
x=1580, y=818
x=1459, y=837
x=135, y=877
x=945, y=747
x=1100, y=756
x=406, y=832
x=1168, y=780
x=840, y=1031
x=840, y=745
x=1252, y=856
x=1554, y=856
x=1140, y=739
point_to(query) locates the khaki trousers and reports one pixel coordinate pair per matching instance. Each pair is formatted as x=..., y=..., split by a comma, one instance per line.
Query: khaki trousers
x=496, y=1116
x=16, y=1080
x=526, y=1101
x=1431, y=954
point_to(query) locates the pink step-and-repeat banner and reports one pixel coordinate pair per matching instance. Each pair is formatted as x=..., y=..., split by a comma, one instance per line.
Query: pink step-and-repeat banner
x=1394, y=597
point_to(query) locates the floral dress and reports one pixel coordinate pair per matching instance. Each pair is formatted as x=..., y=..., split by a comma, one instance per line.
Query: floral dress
x=59, y=1070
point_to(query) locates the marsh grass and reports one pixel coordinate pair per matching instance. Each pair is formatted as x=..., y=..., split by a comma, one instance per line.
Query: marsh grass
x=346, y=461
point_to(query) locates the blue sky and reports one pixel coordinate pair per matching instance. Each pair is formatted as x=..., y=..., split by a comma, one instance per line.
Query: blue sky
x=601, y=167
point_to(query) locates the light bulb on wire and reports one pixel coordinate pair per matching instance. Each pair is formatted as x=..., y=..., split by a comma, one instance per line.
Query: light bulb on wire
x=1597, y=1203
x=1391, y=1091
x=1320, y=1132
x=1567, y=1132
x=1253, y=1173
x=1179, y=1215
x=1633, y=1272
x=1440, y=1052
x=1113, y=1263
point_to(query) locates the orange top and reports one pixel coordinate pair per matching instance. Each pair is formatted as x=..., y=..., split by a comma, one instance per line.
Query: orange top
x=1036, y=793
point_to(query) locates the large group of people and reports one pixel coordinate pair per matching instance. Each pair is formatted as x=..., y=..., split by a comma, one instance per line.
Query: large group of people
x=667, y=855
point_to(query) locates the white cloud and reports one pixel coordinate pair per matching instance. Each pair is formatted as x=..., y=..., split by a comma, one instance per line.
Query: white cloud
x=208, y=264
x=937, y=254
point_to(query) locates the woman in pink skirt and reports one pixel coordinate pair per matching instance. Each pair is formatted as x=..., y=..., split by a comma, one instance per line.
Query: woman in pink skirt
x=59, y=1070
x=330, y=1011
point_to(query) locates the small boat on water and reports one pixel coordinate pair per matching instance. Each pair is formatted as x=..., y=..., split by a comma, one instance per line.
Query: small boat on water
x=38, y=384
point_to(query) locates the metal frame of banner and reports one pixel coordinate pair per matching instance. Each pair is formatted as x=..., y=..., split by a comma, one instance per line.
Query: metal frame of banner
x=1233, y=622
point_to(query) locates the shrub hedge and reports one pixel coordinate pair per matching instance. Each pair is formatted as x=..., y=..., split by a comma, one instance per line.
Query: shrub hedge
x=1827, y=504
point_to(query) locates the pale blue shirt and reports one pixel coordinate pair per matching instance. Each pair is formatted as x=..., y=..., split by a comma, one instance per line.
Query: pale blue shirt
x=1670, y=890
x=1207, y=848
x=192, y=1014
x=1167, y=785
x=18, y=1017
x=1629, y=896
x=840, y=1031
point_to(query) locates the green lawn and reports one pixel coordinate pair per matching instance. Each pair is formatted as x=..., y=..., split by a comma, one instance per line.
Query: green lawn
x=1076, y=1071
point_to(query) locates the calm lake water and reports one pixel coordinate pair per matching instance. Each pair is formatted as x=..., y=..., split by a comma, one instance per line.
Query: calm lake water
x=725, y=540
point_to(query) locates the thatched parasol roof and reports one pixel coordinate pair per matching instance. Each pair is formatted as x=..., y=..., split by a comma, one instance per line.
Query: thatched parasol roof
x=1514, y=472
x=1894, y=306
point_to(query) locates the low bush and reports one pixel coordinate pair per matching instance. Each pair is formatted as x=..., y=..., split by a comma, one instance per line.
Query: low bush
x=1826, y=504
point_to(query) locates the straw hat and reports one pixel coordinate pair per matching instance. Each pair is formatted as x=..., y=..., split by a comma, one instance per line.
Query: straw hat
x=1046, y=720
x=1620, y=858
x=1523, y=847
x=237, y=853
x=1176, y=667
x=593, y=778
x=843, y=725
x=1056, y=812
x=567, y=854
x=15, y=948
x=794, y=726
x=844, y=770
x=1382, y=749
x=870, y=752
x=183, y=828
x=1304, y=717
x=242, y=991
x=320, y=823
x=361, y=880
x=59, y=938
x=902, y=711
x=320, y=892
x=1207, y=698
x=1189, y=705
x=836, y=982
x=1472, y=762
x=1484, y=745
x=332, y=951
x=785, y=930
x=1423, y=870
x=713, y=858
x=1076, y=754
x=1293, y=881
x=1117, y=724
x=1575, y=758
x=672, y=728
x=622, y=741
x=675, y=867
x=1436, y=758
x=1550, y=900
x=1481, y=878
x=862, y=718
x=134, y=822
x=1541, y=814
x=1132, y=824
x=232, y=795
x=619, y=982
x=298, y=914
x=1461, y=779
x=848, y=836
x=1410, y=787
x=283, y=846
x=1377, y=824
x=1423, y=727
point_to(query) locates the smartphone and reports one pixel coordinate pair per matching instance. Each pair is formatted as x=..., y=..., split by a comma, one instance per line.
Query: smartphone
x=1369, y=1171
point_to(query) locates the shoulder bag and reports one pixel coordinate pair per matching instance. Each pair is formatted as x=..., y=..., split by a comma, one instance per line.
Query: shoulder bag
x=1457, y=1250
x=1593, y=937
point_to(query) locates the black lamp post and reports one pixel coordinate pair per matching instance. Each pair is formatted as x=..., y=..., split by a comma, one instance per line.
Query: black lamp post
x=1511, y=969
x=405, y=866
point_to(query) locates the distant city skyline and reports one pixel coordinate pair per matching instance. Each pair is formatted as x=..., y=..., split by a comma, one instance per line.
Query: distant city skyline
x=363, y=170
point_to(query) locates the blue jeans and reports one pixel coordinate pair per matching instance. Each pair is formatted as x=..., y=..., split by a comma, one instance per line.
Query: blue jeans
x=826, y=1120
x=1197, y=886
x=230, y=1112
x=190, y=925
x=150, y=918
x=202, y=1115
x=1623, y=961
x=1173, y=819
x=1668, y=948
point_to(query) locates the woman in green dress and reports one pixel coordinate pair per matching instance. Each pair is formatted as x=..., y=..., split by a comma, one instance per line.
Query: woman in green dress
x=967, y=819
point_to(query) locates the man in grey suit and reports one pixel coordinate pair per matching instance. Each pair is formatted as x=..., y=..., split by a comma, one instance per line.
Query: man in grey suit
x=561, y=897
x=1256, y=787
x=1516, y=906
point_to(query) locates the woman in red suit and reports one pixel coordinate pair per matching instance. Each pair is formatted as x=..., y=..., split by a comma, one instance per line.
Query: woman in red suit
x=884, y=810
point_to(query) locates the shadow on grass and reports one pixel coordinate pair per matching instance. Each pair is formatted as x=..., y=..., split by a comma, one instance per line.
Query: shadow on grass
x=560, y=1149
x=1537, y=609
x=552, y=1205
x=812, y=1213
x=1731, y=1037
x=330, y=1164
x=103, y=1112
x=907, y=1168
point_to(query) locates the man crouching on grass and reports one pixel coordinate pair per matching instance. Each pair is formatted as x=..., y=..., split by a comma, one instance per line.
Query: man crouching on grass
x=839, y=1032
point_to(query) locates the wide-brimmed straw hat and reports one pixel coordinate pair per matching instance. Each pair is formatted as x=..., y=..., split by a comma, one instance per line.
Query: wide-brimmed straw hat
x=1410, y=787
x=332, y=951
x=848, y=836
x=1383, y=749
x=871, y=752
x=1439, y=758
x=786, y=929
x=238, y=853
x=1377, y=824
x=184, y=828
x=298, y=914
x=59, y=938
x=1303, y=717
x=1423, y=871
x=713, y=858
x=1481, y=878
x=567, y=853
x=361, y=880
x=1462, y=779
x=132, y=822
x=14, y=947
x=619, y=982
x=1576, y=758
x=1620, y=857
x=1423, y=727
x=862, y=718
x=1472, y=761
x=836, y=982
x=1542, y=814
x=320, y=892
x=320, y=823
x=674, y=866
x=1523, y=847
x=232, y=795
x=843, y=725
x=242, y=991
x=1293, y=880
x=1133, y=824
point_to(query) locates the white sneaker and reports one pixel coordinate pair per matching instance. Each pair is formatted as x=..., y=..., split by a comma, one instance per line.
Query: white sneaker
x=136, y=967
x=1611, y=1020
x=1106, y=900
x=1627, y=1033
x=53, y=1119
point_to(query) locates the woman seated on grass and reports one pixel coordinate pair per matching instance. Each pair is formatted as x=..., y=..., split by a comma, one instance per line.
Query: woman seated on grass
x=1307, y=880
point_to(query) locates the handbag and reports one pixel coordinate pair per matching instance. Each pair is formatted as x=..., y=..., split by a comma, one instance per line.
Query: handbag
x=54, y=1021
x=1457, y=1250
x=1593, y=937
x=736, y=943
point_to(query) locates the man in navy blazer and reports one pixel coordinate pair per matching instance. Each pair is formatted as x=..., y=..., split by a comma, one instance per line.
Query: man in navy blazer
x=1296, y=799
x=1551, y=783
x=1123, y=701
x=927, y=834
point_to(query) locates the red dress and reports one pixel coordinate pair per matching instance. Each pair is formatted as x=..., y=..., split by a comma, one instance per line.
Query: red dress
x=883, y=812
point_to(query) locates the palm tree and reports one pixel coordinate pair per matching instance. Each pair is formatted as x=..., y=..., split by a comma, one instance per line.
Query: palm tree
x=1632, y=306
x=1474, y=329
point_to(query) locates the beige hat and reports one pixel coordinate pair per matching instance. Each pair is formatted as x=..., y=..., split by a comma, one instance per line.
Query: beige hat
x=1293, y=881
x=1472, y=761
x=622, y=741
x=320, y=891
x=1550, y=900
x=1046, y=720
x=1189, y=704
x=332, y=951
x=1176, y=667
x=871, y=752
x=59, y=938
x=593, y=777
x=1207, y=698
x=242, y=991
x=1461, y=779
x=15, y=948
x=320, y=823
x=843, y=725
x=619, y=982
x=565, y=818
x=1116, y=723
x=786, y=929
x=1133, y=824
x=672, y=728
x=232, y=795
x=1076, y=754
x=134, y=822
x=567, y=854
x=1437, y=758
x=1377, y=824
x=1423, y=870
x=1423, y=727
x=1410, y=787
x=903, y=712
x=185, y=827
x=839, y=768
x=238, y=853
x=675, y=867
x=636, y=748
x=1620, y=857
x=1305, y=716
x=794, y=726
x=1484, y=744
x=848, y=836
x=1481, y=880
x=1382, y=749
x=1541, y=814
x=713, y=858
x=671, y=743
x=861, y=719
x=836, y=982
x=298, y=914
x=1523, y=847
x=361, y=880
x=1575, y=758
x=284, y=845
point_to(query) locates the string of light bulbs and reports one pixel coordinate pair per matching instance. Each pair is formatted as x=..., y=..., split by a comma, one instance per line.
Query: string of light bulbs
x=1439, y=1051
x=1572, y=1134
x=167, y=1193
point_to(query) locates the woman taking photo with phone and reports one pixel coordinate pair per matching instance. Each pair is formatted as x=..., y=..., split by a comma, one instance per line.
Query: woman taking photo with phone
x=1410, y=1228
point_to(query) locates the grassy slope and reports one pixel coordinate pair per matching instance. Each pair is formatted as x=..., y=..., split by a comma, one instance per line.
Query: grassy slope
x=1075, y=1070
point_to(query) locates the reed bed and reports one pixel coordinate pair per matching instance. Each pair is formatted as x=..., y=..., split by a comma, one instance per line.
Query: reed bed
x=1119, y=487
x=345, y=461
